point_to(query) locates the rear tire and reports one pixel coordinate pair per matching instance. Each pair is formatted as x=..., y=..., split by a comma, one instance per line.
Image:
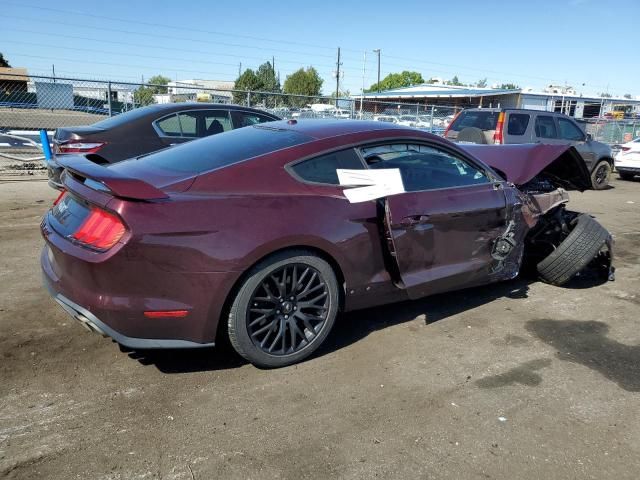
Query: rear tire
x=274, y=322
x=576, y=251
x=472, y=135
x=626, y=175
x=600, y=175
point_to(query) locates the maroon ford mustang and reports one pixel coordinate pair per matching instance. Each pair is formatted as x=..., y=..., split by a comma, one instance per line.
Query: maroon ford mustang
x=273, y=229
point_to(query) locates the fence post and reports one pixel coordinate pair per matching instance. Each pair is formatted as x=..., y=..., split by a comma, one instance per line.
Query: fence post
x=431, y=122
x=109, y=98
x=248, y=98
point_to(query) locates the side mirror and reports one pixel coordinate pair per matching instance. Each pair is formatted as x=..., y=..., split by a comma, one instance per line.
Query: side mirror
x=589, y=137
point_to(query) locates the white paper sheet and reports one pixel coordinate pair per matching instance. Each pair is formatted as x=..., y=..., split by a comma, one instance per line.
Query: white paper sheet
x=370, y=184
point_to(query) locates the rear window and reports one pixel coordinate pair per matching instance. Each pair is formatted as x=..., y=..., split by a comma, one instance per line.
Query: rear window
x=125, y=117
x=484, y=120
x=221, y=150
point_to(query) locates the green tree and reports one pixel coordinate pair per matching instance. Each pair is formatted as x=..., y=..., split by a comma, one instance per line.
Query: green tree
x=509, y=86
x=605, y=95
x=397, y=80
x=248, y=80
x=627, y=95
x=144, y=94
x=454, y=81
x=302, y=82
x=3, y=62
x=159, y=80
x=263, y=79
x=482, y=83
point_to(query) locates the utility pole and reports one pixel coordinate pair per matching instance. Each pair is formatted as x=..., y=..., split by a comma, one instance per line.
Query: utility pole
x=53, y=69
x=338, y=77
x=377, y=50
x=273, y=65
x=364, y=68
x=239, y=69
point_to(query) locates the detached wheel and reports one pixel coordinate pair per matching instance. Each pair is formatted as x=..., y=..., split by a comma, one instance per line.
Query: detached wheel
x=284, y=310
x=626, y=175
x=576, y=251
x=600, y=175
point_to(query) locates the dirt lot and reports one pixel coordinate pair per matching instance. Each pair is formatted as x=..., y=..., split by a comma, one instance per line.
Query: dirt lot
x=517, y=380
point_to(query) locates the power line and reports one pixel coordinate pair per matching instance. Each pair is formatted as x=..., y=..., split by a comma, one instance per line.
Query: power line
x=163, y=25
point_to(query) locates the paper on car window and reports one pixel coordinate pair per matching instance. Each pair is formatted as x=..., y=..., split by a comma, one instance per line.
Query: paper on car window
x=370, y=184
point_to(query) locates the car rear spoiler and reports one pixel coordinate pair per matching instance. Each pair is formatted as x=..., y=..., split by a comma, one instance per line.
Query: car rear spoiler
x=560, y=164
x=102, y=178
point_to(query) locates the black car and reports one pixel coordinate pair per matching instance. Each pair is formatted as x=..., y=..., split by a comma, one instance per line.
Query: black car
x=148, y=129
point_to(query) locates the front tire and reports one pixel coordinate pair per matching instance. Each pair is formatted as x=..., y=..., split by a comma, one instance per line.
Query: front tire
x=600, y=175
x=575, y=252
x=284, y=309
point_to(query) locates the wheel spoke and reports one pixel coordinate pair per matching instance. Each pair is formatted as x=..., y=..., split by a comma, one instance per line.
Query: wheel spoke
x=311, y=303
x=278, y=335
x=257, y=321
x=308, y=290
x=262, y=329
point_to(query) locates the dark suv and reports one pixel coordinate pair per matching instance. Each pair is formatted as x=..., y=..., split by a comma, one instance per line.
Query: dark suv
x=510, y=125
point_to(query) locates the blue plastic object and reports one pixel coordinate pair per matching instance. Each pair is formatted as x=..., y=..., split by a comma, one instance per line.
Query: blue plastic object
x=46, y=148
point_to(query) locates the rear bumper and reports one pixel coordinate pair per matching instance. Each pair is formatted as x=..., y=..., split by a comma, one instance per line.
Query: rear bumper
x=94, y=324
x=112, y=301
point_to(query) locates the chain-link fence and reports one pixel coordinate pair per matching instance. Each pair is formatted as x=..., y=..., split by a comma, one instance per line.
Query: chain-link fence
x=36, y=102
x=31, y=103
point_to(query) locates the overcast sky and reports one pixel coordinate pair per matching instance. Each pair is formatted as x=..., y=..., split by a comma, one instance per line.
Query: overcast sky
x=588, y=42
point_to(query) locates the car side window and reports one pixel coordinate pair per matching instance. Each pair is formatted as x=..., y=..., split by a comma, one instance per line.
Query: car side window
x=246, y=119
x=518, y=123
x=322, y=169
x=215, y=121
x=569, y=131
x=189, y=124
x=424, y=167
x=170, y=126
x=545, y=127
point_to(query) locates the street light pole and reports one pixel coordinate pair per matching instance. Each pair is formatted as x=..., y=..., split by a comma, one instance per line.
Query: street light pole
x=377, y=50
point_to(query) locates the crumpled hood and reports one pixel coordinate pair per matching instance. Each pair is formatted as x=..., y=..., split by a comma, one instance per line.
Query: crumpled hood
x=560, y=164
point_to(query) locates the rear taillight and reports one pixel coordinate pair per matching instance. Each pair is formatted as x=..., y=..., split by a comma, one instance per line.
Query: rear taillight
x=79, y=147
x=101, y=230
x=498, y=136
x=446, y=130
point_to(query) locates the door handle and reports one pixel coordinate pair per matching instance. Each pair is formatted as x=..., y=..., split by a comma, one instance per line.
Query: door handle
x=413, y=220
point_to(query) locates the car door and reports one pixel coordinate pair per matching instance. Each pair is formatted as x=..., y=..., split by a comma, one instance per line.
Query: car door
x=546, y=130
x=570, y=133
x=443, y=229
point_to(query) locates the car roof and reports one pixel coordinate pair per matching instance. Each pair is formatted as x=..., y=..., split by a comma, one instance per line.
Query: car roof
x=324, y=128
x=513, y=109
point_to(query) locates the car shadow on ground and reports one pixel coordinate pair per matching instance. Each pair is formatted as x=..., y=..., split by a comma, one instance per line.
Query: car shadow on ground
x=586, y=343
x=354, y=326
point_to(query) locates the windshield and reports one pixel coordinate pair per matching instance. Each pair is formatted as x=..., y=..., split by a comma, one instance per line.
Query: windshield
x=221, y=150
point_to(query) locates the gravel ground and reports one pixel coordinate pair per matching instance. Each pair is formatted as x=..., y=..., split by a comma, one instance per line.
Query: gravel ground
x=516, y=380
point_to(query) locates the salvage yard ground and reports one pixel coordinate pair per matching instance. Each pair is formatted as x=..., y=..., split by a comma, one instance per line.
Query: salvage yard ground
x=515, y=380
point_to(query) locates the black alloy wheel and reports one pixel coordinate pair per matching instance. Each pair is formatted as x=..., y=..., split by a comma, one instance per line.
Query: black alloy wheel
x=284, y=309
x=288, y=309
